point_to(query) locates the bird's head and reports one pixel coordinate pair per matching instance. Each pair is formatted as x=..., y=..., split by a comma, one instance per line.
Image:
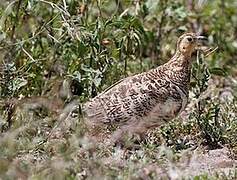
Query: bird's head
x=189, y=42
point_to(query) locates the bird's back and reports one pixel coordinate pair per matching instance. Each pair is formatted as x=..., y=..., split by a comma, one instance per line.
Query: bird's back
x=149, y=99
x=147, y=95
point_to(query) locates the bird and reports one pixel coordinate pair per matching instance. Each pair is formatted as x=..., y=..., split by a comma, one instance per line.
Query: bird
x=147, y=100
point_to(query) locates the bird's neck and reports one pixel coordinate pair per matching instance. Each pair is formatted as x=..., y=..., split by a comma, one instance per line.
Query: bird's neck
x=180, y=60
x=179, y=68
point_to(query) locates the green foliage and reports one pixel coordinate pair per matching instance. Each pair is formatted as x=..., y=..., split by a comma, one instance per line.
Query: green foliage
x=106, y=38
x=95, y=44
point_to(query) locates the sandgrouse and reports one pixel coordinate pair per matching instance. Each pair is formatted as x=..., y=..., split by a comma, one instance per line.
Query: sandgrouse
x=143, y=101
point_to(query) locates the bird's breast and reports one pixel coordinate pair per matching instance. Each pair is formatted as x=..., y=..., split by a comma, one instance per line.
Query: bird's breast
x=183, y=97
x=170, y=108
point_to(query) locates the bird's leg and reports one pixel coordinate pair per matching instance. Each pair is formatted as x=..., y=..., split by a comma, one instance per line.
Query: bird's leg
x=133, y=128
x=118, y=136
x=95, y=132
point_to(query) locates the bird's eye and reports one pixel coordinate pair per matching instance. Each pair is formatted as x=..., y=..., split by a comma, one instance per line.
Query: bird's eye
x=190, y=39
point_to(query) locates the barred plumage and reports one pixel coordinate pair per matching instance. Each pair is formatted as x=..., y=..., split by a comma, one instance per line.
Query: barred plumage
x=149, y=99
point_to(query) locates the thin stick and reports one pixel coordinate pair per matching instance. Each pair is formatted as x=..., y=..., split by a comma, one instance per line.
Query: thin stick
x=28, y=54
x=212, y=51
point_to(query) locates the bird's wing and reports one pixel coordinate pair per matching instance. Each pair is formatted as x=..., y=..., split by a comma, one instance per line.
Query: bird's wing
x=96, y=109
x=113, y=85
x=132, y=97
x=124, y=99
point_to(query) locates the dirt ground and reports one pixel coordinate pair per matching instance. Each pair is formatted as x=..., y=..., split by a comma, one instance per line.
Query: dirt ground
x=194, y=163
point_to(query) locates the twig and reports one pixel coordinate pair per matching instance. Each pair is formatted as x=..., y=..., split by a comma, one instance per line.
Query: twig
x=210, y=51
x=5, y=12
x=62, y=117
x=41, y=29
x=55, y=5
x=28, y=55
x=16, y=20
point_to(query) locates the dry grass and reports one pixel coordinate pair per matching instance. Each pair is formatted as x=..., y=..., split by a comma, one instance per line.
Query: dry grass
x=54, y=55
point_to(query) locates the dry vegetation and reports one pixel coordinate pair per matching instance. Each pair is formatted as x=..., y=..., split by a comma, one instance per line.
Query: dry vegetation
x=54, y=54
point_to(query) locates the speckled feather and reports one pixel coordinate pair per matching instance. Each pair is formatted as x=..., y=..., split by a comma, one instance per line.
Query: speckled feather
x=145, y=100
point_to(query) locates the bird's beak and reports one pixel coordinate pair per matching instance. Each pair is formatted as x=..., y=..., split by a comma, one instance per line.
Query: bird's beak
x=200, y=42
x=201, y=38
x=201, y=46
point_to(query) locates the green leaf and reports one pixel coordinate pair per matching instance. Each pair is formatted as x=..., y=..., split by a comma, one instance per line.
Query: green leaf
x=218, y=71
x=18, y=83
